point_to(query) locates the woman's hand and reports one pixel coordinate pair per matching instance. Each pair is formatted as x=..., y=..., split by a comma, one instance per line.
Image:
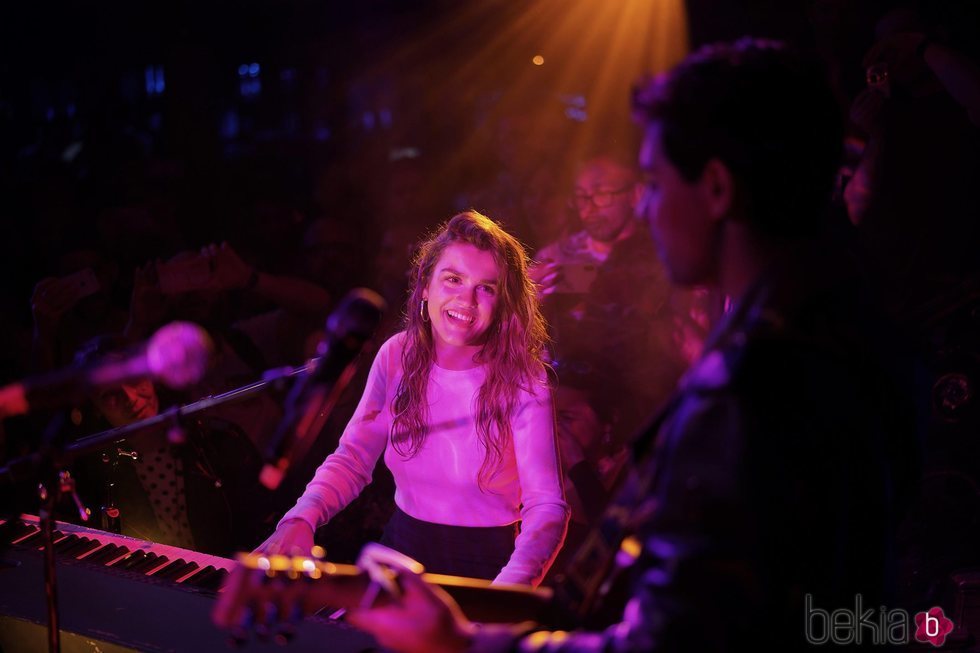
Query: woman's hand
x=293, y=537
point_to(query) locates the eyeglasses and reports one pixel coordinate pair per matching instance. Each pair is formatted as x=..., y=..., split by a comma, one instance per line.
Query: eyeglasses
x=600, y=199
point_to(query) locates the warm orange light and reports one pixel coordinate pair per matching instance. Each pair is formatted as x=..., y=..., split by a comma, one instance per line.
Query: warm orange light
x=597, y=50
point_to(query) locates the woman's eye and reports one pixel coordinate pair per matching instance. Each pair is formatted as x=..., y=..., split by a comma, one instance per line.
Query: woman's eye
x=488, y=290
x=452, y=279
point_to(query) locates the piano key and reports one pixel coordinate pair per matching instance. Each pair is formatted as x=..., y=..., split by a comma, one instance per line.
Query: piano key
x=16, y=530
x=31, y=540
x=56, y=537
x=90, y=545
x=215, y=581
x=121, y=553
x=72, y=548
x=163, y=571
x=135, y=555
x=180, y=571
x=65, y=542
x=151, y=561
x=119, y=562
x=107, y=554
x=130, y=561
x=103, y=555
x=198, y=576
x=27, y=536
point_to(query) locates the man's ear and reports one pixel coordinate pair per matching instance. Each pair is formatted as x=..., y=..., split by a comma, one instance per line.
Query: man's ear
x=717, y=185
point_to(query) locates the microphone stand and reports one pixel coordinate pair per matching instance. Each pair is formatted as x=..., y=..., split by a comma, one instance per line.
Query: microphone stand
x=55, y=482
x=176, y=414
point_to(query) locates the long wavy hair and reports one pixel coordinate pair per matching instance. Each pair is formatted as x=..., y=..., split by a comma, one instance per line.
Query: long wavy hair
x=513, y=349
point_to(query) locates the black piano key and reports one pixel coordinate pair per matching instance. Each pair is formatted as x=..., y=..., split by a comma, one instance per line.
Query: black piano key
x=199, y=576
x=131, y=561
x=98, y=552
x=17, y=530
x=104, y=555
x=72, y=548
x=215, y=581
x=88, y=546
x=189, y=570
x=56, y=536
x=65, y=542
x=177, y=572
x=164, y=571
x=120, y=562
x=151, y=561
x=26, y=537
x=32, y=540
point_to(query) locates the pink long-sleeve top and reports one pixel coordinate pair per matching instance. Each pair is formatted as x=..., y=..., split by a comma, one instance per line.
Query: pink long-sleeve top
x=439, y=484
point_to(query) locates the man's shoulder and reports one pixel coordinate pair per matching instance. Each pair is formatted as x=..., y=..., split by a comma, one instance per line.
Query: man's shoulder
x=788, y=357
x=758, y=347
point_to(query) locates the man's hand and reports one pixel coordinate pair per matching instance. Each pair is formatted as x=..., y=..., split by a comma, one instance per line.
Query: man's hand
x=148, y=306
x=424, y=619
x=230, y=271
x=866, y=108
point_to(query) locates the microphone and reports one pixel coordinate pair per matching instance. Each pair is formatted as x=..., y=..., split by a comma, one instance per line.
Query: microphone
x=311, y=400
x=177, y=355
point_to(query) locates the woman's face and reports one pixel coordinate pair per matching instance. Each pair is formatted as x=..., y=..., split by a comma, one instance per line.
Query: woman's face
x=128, y=403
x=462, y=296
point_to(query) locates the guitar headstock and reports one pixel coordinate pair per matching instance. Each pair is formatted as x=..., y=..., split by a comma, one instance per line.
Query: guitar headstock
x=269, y=594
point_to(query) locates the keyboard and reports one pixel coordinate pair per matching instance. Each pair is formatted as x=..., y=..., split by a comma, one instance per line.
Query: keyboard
x=176, y=566
x=123, y=593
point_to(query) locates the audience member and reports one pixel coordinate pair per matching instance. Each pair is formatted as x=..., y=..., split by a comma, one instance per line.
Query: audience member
x=201, y=494
x=608, y=301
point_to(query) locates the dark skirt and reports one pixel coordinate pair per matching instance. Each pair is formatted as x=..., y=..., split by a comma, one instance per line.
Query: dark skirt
x=473, y=551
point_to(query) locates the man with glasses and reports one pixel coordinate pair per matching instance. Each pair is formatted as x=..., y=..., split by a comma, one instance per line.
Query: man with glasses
x=605, y=195
x=608, y=300
x=613, y=321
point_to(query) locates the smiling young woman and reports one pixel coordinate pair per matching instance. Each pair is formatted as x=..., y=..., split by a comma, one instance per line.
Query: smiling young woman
x=460, y=407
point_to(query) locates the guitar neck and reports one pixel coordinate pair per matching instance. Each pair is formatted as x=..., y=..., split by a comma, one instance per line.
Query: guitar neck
x=345, y=586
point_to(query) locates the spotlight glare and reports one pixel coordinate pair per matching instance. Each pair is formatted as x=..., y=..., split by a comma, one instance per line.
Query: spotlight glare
x=537, y=60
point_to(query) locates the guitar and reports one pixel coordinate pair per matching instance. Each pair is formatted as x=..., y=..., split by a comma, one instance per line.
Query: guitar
x=272, y=591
